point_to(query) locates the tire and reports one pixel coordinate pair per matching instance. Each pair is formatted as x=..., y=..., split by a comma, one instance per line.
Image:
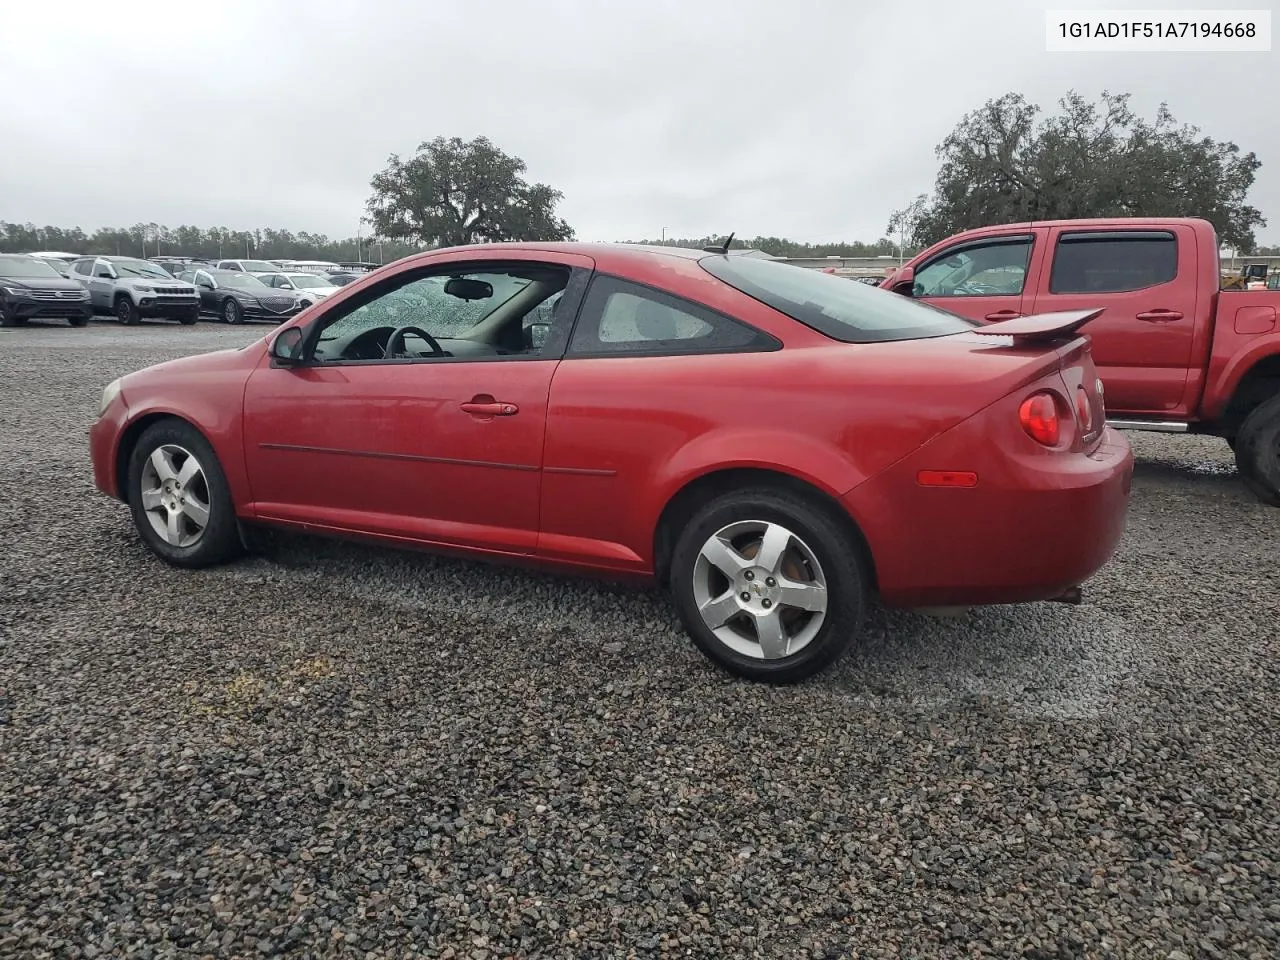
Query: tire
x=1258, y=451
x=9, y=320
x=231, y=311
x=816, y=551
x=79, y=321
x=190, y=318
x=127, y=311
x=176, y=535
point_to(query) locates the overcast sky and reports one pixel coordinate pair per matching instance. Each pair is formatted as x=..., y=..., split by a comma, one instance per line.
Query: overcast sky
x=809, y=120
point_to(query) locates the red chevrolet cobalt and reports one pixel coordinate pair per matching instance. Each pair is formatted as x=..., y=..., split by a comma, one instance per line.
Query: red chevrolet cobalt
x=775, y=444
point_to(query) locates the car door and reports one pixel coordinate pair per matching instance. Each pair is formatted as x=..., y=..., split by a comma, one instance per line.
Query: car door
x=206, y=288
x=102, y=285
x=1146, y=279
x=983, y=279
x=442, y=449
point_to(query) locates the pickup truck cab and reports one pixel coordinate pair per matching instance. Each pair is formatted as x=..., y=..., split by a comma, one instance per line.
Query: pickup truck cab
x=1175, y=353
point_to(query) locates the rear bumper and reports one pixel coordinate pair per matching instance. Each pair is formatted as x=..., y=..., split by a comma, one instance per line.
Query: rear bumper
x=1035, y=525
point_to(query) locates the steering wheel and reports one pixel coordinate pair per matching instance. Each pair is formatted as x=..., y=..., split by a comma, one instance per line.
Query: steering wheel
x=397, y=337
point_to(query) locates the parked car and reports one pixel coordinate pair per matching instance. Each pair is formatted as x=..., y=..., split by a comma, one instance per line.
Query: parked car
x=177, y=265
x=310, y=287
x=342, y=278
x=133, y=290
x=1177, y=354
x=31, y=289
x=247, y=266
x=774, y=444
x=60, y=262
x=236, y=296
x=311, y=266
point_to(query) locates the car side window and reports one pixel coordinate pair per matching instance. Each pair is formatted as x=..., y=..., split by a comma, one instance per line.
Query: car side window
x=1113, y=262
x=84, y=267
x=620, y=318
x=469, y=314
x=102, y=270
x=995, y=268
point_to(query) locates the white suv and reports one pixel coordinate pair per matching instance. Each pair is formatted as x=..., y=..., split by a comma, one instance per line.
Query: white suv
x=134, y=289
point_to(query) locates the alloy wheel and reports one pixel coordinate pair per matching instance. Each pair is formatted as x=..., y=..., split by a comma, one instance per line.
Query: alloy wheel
x=760, y=589
x=175, y=495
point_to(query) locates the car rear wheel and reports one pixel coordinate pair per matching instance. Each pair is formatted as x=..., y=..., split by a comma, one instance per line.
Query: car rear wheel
x=179, y=497
x=127, y=311
x=1257, y=450
x=768, y=585
x=231, y=311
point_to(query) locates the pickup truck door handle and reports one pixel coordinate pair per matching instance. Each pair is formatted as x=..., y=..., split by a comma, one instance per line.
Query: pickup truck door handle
x=488, y=407
x=1002, y=315
x=1160, y=316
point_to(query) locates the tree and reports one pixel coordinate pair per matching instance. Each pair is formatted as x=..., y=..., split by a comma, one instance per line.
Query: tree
x=1001, y=164
x=453, y=192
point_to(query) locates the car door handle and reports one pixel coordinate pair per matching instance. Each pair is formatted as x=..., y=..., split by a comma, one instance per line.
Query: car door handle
x=490, y=408
x=1160, y=316
x=1003, y=315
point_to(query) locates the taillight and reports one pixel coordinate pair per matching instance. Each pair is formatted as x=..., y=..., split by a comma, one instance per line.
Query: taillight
x=1084, y=411
x=1039, y=416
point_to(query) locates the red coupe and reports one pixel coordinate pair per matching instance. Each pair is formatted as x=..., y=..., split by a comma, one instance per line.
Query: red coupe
x=774, y=444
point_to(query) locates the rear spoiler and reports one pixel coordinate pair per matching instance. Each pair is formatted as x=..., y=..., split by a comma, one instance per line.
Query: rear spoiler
x=1040, y=327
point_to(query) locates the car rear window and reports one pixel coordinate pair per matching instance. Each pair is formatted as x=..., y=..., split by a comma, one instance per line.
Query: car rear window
x=839, y=308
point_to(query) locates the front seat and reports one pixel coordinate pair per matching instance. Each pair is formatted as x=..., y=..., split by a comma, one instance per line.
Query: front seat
x=655, y=322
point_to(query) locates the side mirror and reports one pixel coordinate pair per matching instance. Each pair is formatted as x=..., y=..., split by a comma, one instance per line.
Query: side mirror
x=538, y=334
x=905, y=282
x=286, y=349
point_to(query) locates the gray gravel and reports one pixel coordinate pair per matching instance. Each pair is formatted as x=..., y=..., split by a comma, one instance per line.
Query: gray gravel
x=333, y=750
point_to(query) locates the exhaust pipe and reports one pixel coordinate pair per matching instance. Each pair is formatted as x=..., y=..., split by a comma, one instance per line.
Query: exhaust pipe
x=1072, y=595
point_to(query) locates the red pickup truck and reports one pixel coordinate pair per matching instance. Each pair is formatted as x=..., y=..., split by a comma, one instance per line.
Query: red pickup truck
x=1175, y=352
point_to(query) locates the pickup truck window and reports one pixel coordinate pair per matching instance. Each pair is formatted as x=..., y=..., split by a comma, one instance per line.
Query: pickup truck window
x=993, y=268
x=1113, y=262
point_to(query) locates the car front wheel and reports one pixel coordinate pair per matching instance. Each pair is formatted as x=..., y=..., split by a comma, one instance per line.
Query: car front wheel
x=179, y=497
x=127, y=312
x=768, y=585
x=231, y=311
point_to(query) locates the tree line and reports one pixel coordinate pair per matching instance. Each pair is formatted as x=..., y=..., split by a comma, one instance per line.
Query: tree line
x=151, y=240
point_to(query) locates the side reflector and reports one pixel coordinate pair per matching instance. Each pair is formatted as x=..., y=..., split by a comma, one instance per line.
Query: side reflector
x=947, y=478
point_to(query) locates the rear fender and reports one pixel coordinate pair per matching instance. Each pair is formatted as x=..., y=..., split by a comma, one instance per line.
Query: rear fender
x=1224, y=382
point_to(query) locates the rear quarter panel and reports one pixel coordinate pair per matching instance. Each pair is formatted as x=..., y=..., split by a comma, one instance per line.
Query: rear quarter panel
x=626, y=434
x=1246, y=330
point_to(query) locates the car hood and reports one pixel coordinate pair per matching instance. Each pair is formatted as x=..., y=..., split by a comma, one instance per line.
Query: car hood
x=40, y=283
x=186, y=367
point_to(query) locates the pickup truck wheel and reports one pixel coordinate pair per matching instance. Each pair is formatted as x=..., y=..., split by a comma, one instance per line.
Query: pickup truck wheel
x=1258, y=452
x=127, y=311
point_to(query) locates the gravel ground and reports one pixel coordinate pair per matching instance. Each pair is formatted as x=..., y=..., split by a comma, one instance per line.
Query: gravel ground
x=333, y=750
